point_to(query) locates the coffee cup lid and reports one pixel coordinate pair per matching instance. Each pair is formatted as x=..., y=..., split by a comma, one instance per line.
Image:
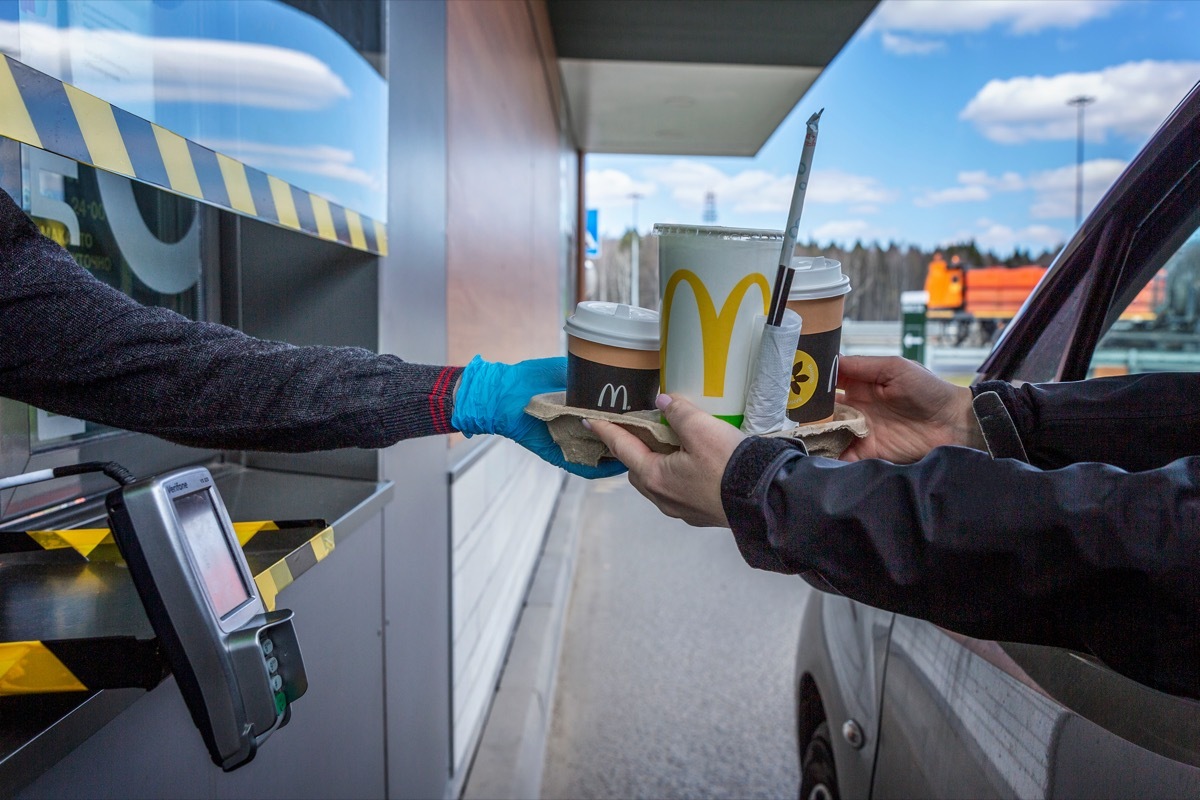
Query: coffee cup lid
x=817, y=278
x=614, y=324
x=717, y=232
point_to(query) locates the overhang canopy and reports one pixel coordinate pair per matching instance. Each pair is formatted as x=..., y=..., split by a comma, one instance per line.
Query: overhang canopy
x=692, y=77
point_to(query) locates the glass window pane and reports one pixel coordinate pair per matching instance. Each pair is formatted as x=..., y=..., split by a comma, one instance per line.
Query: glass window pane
x=273, y=85
x=138, y=239
x=1158, y=330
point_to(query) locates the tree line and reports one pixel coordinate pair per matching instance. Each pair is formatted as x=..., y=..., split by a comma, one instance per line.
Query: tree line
x=878, y=273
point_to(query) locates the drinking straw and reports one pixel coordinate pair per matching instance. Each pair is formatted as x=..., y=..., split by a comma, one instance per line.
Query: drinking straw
x=783, y=278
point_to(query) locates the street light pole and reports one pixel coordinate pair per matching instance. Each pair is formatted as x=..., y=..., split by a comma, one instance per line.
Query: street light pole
x=633, y=256
x=1079, y=102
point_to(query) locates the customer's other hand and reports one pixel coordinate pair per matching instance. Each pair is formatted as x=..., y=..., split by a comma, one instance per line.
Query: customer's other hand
x=909, y=410
x=687, y=483
x=491, y=398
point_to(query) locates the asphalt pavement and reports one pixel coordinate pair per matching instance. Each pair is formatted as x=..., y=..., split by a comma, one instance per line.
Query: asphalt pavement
x=675, y=679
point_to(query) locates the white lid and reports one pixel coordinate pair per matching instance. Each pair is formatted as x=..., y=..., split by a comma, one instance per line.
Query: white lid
x=817, y=278
x=713, y=231
x=614, y=324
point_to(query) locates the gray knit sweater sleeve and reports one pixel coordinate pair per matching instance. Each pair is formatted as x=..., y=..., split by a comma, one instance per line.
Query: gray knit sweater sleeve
x=73, y=345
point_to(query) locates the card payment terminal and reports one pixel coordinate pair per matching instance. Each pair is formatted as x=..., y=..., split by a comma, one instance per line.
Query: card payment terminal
x=238, y=665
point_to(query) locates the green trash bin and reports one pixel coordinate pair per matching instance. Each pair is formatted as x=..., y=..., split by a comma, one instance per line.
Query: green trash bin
x=913, y=306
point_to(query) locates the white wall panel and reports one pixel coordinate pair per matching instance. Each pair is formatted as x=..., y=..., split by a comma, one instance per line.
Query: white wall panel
x=500, y=509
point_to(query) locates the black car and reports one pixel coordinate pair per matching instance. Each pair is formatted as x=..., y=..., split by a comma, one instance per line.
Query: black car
x=890, y=706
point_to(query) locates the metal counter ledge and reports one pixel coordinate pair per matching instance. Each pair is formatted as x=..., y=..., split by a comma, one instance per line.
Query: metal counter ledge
x=38, y=730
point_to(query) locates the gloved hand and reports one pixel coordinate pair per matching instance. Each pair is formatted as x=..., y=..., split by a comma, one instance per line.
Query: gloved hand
x=492, y=397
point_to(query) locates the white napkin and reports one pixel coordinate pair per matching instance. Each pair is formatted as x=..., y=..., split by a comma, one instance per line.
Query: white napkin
x=770, y=376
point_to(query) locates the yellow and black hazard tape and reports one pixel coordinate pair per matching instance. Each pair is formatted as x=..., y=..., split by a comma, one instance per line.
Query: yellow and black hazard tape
x=278, y=552
x=46, y=113
x=293, y=548
x=80, y=665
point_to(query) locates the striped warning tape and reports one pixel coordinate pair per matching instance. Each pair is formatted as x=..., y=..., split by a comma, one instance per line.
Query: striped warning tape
x=46, y=113
x=288, y=549
x=80, y=665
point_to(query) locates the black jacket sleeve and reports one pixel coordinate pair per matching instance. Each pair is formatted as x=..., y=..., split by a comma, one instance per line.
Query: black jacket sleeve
x=1090, y=556
x=1134, y=422
x=76, y=346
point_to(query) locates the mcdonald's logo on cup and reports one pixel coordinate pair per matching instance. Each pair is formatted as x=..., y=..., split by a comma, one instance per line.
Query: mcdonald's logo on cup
x=714, y=281
x=614, y=398
x=612, y=357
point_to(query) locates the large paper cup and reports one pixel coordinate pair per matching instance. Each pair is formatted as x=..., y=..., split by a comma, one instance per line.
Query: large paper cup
x=714, y=281
x=818, y=295
x=612, y=357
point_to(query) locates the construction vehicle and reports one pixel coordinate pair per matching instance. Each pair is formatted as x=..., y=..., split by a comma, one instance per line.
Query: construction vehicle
x=971, y=305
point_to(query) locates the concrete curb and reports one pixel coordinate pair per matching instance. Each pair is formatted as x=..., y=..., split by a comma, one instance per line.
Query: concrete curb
x=512, y=748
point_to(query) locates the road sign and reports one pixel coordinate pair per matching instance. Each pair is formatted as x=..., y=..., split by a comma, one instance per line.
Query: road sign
x=913, y=306
x=592, y=234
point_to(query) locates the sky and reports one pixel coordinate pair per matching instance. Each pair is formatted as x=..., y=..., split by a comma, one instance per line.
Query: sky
x=944, y=121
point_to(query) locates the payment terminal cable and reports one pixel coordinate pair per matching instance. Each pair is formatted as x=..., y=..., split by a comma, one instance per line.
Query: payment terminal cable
x=110, y=468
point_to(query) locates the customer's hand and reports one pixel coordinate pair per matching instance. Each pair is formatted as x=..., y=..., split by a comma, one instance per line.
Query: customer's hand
x=909, y=410
x=687, y=483
x=491, y=398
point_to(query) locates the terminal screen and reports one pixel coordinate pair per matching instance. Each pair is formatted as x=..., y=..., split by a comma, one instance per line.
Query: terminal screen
x=211, y=549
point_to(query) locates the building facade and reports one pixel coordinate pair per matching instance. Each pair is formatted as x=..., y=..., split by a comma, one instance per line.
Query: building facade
x=396, y=176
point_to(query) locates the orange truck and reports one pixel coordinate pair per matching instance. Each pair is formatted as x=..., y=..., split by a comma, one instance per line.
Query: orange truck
x=981, y=300
x=980, y=293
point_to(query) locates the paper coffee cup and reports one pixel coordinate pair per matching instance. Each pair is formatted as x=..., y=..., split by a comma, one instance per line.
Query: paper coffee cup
x=818, y=295
x=612, y=357
x=713, y=282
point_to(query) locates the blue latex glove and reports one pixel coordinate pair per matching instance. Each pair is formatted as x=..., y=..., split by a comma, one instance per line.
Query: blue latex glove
x=492, y=398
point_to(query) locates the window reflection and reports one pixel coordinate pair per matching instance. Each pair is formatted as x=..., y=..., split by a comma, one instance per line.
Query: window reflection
x=261, y=81
x=138, y=239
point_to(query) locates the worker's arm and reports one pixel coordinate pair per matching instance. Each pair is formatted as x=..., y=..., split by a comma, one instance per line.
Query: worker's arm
x=76, y=346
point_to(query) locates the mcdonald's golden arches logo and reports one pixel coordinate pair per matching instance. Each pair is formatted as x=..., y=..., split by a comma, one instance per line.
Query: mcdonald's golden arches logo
x=715, y=328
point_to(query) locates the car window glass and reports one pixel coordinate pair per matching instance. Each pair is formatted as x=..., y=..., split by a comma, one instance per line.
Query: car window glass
x=1158, y=326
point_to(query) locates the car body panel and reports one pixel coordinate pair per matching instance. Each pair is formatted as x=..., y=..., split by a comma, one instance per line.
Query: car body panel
x=848, y=642
x=963, y=718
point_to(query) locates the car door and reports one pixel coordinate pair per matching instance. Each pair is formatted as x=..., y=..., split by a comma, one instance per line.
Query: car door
x=967, y=718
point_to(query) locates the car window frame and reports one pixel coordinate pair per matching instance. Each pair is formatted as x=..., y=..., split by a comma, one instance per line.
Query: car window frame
x=1161, y=235
x=1127, y=234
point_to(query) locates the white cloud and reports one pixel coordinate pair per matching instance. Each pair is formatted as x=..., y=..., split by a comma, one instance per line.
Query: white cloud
x=185, y=69
x=1000, y=238
x=961, y=16
x=1008, y=182
x=759, y=191
x=330, y=162
x=753, y=190
x=974, y=186
x=955, y=194
x=1055, y=189
x=612, y=187
x=836, y=186
x=1131, y=100
x=847, y=232
x=10, y=38
x=909, y=46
